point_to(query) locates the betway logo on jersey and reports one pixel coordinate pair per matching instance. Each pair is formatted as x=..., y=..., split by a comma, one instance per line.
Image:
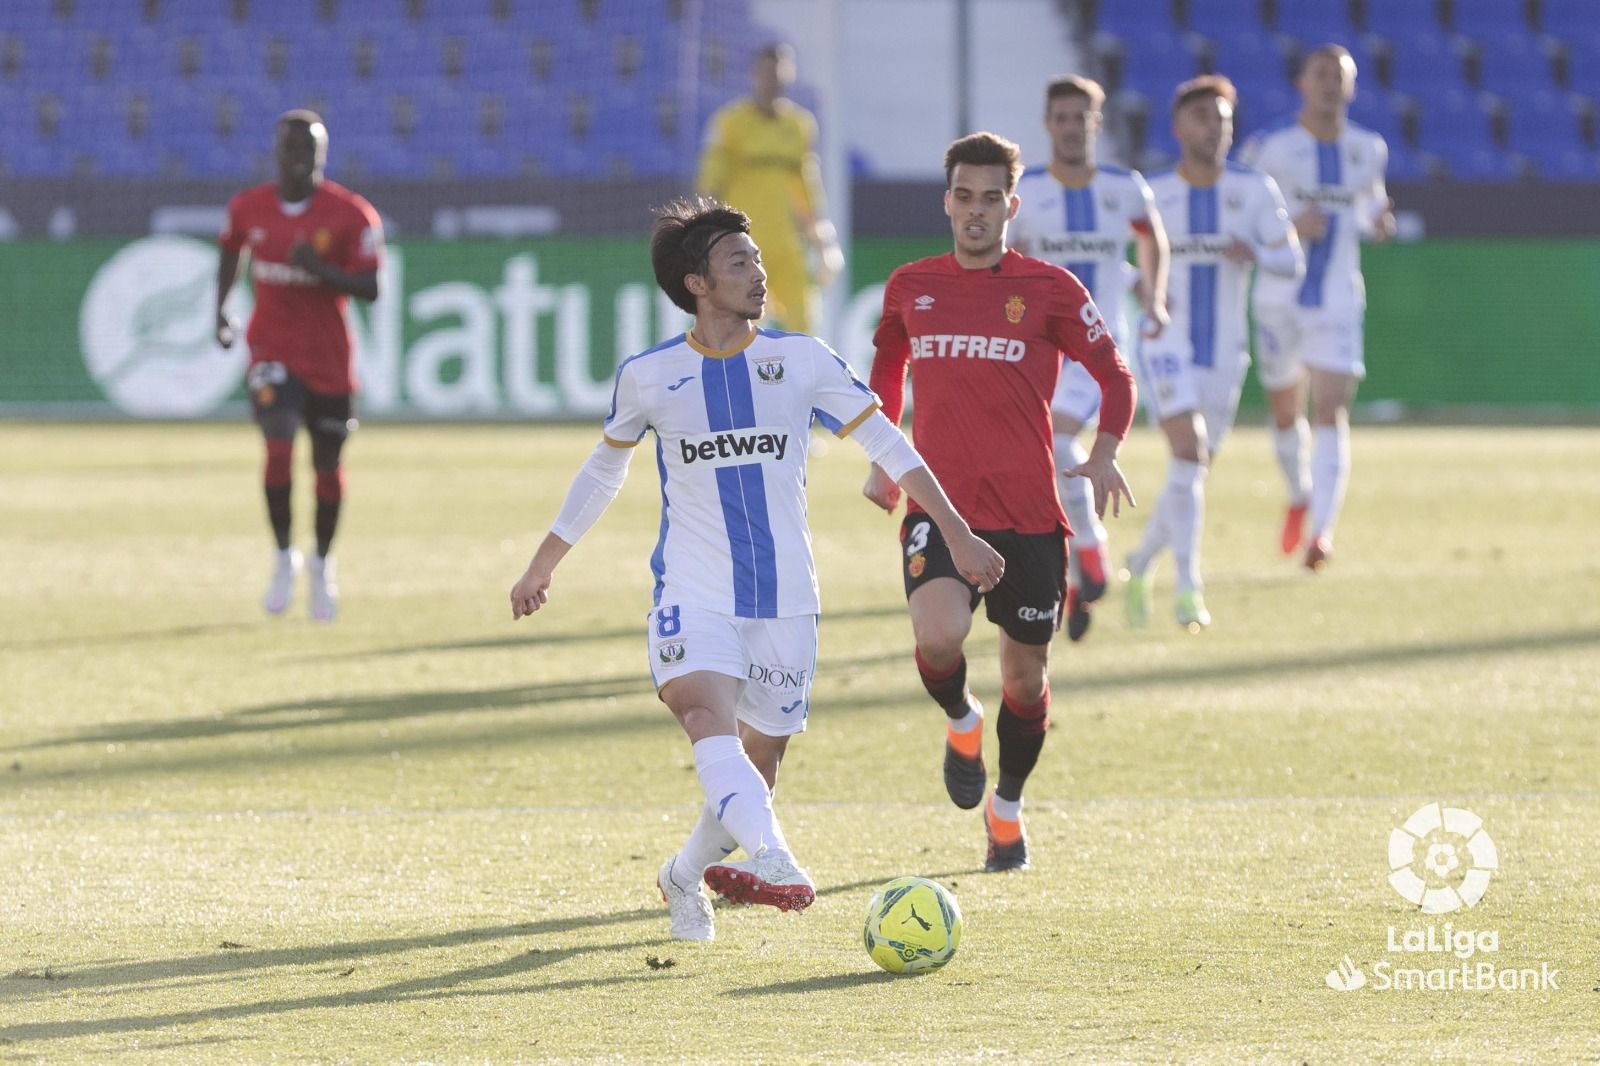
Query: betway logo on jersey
x=1079, y=244
x=959, y=345
x=757, y=443
x=281, y=274
x=1201, y=246
x=1321, y=195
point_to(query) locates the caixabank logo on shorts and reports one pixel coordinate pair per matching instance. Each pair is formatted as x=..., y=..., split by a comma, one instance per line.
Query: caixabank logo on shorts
x=1441, y=860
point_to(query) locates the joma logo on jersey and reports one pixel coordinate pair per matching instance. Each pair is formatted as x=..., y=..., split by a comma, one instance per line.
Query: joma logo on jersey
x=734, y=444
x=957, y=345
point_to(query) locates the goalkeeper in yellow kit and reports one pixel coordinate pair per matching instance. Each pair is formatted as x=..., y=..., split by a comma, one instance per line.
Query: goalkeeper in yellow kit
x=760, y=156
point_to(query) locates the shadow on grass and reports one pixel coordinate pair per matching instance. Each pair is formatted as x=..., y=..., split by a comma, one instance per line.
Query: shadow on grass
x=859, y=979
x=144, y=636
x=249, y=966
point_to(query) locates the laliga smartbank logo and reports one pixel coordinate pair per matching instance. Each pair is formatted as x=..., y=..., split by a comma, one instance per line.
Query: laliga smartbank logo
x=1441, y=861
x=146, y=327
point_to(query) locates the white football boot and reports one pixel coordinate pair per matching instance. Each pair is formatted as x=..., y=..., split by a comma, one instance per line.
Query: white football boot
x=280, y=590
x=690, y=909
x=769, y=878
x=324, y=587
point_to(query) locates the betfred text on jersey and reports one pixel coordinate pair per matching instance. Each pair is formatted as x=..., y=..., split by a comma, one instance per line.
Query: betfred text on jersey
x=958, y=345
x=734, y=444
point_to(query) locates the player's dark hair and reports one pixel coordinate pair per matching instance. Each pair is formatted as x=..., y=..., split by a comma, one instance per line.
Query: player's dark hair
x=1337, y=52
x=984, y=150
x=777, y=51
x=1208, y=86
x=680, y=243
x=1069, y=85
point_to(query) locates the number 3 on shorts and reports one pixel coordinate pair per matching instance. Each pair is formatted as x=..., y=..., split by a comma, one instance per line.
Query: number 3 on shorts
x=918, y=539
x=667, y=622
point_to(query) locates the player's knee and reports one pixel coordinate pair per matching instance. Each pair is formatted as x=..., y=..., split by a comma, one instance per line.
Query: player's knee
x=1026, y=688
x=1021, y=716
x=330, y=485
x=280, y=462
x=939, y=640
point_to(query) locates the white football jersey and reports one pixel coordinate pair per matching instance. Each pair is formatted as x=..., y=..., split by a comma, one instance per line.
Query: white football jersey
x=732, y=430
x=1086, y=230
x=1345, y=178
x=1206, y=292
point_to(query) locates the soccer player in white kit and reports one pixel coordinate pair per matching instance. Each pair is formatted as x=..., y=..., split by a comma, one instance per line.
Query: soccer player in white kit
x=1222, y=218
x=1081, y=215
x=1331, y=172
x=732, y=633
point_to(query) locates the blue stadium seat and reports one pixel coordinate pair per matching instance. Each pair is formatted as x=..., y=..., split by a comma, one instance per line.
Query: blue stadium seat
x=1475, y=17
x=1261, y=106
x=1250, y=57
x=1513, y=63
x=1583, y=67
x=1224, y=18
x=1427, y=66
x=1543, y=126
x=1375, y=110
x=1567, y=18
x=1401, y=21
x=27, y=15
x=1575, y=165
x=1405, y=164
x=1315, y=24
x=1154, y=63
x=1131, y=19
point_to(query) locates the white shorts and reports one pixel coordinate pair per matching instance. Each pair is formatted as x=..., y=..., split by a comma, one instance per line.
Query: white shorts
x=773, y=657
x=1172, y=384
x=1077, y=392
x=1289, y=339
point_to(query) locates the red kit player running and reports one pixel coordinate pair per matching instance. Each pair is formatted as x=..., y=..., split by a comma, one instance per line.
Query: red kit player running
x=312, y=244
x=983, y=331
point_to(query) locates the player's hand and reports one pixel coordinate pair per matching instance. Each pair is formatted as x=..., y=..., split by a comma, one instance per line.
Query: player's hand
x=1311, y=224
x=881, y=489
x=830, y=262
x=1385, y=225
x=530, y=592
x=227, y=329
x=305, y=257
x=1239, y=251
x=976, y=561
x=1155, y=319
x=1109, y=485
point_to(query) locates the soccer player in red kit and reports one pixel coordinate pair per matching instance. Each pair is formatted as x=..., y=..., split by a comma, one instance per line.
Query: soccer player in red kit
x=983, y=330
x=312, y=245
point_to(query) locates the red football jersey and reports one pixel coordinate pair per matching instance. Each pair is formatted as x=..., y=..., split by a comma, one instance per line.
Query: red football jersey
x=299, y=321
x=984, y=349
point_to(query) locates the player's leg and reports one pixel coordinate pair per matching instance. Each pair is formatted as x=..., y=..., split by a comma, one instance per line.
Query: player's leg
x=329, y=419
x=1172, y=396
x=941, y=605
x=1024, y=605
x=1076, y=401
x=276, y=402
x=1282, y=375
x=1331, y=396
x=773, y=705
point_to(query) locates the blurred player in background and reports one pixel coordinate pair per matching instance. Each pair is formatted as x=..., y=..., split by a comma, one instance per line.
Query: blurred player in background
x=1221, y=218
x=1331, y=172
x=760, y=157
x=732, y=637
x=312, y=244
x=983, y=330
x=1081, y=215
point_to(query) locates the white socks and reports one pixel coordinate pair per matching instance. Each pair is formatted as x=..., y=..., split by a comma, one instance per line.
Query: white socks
x=737, y=796
x=1077, y=494
x=1154, y=539
x=1186, y=485
x=1292, y=446
x=708, y=843
x=1330, y=471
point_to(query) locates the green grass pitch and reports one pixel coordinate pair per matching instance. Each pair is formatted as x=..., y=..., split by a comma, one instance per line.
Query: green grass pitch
x=427, y=834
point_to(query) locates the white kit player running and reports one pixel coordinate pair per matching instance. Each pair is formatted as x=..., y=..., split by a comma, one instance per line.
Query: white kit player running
x=1221, y=218
x=1331, y=172
x=1081, y=215
x=732, y=633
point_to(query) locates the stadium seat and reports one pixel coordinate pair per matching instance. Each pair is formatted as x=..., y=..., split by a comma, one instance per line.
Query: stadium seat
x=1512, y=63
x=1249, y=57
x=1314, y=24
x=1131, y=19
x=1583, y=67
x=1488, y=18
x=1224, y=18
x=1154, y=63
x=1567, y=19
x=1374, y=109
x=1426, y=66
x=1400, y=21
x=1544, y=126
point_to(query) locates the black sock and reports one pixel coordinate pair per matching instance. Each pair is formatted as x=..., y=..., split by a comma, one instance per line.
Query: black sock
x=278, y=514
x=327, y=522
x=1020, y=742
x=948, y=691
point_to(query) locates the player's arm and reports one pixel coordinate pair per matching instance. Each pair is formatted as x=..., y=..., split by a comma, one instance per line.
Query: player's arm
x=715, y=158
x=814, y=218
x=894, y=456
x=1271, y=245
x=358, y=282
x=1153, y=253
x=888, y=381
x=1070, y=328
x=231, y=243
x=597, y=483
x=1378, y=220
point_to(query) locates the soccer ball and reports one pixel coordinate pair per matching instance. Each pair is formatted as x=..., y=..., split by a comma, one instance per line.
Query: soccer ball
x=913, y=925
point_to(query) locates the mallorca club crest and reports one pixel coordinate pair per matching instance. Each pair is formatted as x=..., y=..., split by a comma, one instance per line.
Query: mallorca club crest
x=916, y=565
x=1015, y=309
x=321, y=241
x=770, y=371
